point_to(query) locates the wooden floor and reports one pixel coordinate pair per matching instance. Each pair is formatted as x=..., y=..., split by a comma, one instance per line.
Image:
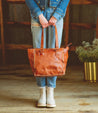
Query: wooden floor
x=19, y=92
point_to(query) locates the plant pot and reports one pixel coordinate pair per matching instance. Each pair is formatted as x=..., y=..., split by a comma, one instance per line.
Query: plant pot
x=91, y=71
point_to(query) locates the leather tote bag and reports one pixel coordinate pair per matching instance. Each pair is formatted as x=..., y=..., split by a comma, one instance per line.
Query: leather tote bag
x=48, y=61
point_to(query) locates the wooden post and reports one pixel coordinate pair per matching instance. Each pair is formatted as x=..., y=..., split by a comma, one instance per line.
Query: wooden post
x=2, y=33
x=66, y=26
x=97, y=29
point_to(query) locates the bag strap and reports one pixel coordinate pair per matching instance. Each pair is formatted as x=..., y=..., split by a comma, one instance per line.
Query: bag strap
x=42, y=38
x=56, y=38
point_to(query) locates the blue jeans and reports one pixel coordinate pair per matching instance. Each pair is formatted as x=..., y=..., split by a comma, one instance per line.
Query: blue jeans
x=49, y=35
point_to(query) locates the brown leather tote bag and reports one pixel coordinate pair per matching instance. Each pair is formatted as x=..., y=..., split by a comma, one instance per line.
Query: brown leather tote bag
x=48, y=61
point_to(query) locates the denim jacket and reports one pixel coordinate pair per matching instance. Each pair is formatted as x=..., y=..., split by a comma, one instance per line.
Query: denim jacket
x=37, y=6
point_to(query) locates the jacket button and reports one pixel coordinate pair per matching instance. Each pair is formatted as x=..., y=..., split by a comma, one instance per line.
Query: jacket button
x=38, y=1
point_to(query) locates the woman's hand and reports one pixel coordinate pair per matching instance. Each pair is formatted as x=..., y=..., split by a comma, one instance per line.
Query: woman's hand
x=52, y=21
x=43, y=21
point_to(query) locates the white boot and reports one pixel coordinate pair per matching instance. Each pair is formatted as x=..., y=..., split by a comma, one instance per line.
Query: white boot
x=42, y=99
x=50, y=97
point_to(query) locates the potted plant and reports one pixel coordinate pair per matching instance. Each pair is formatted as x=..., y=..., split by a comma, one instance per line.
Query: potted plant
x=88, y=53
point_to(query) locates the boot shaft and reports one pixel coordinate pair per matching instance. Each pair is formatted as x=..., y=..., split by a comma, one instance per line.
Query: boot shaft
x=42, y=91
x=50, y=97
x=50, y=92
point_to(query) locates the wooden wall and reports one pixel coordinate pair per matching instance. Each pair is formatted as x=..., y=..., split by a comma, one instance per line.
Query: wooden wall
x=21, y=34
x=82, y=14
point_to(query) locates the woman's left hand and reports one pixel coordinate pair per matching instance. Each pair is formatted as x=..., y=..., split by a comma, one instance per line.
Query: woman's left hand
x=52, y=21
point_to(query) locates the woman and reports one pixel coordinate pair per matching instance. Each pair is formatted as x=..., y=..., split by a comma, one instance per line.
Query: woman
x=46, y=14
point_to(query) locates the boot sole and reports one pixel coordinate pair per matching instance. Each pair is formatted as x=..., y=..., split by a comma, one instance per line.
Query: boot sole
x=41, y=105
x=51, y=106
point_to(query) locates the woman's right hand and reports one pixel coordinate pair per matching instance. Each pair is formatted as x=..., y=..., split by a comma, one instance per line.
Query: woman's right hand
x=43, y=21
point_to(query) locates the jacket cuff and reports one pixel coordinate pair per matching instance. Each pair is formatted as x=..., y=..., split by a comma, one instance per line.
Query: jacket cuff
x=57, y=16
x=37, y=12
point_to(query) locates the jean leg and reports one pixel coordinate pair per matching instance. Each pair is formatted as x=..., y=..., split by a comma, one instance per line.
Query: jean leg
x=59, y=26
x=51, y=81
x=41, y=81
x=36, y=31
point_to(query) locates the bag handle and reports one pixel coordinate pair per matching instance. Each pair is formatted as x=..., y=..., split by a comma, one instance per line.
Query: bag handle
x=56, y=38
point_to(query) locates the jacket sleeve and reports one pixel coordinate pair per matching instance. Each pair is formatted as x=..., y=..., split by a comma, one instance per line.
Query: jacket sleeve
x=33, y=7
x=61, y=9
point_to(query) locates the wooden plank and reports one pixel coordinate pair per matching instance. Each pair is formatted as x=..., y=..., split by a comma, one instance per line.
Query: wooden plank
x=19, y=23
x=18, y=46
x=2, y=33
x=16, y=1
x=82, y=26
x=79, y=19
x=84, y=2
x=97, y=29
